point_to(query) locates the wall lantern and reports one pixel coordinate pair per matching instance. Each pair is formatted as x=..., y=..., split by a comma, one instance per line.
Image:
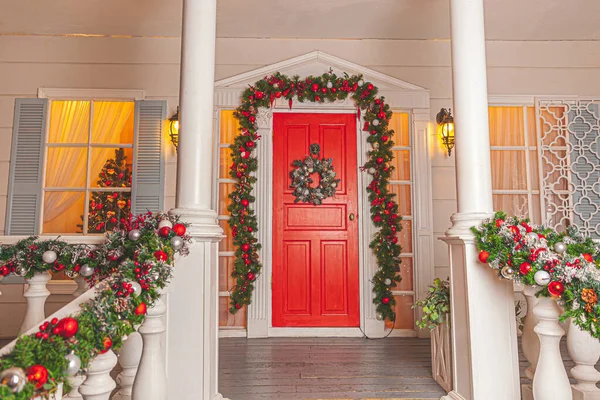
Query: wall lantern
x=174, y=128
x=445, y=120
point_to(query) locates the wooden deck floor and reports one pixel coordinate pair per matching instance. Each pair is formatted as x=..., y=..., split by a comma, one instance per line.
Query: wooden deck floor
x=326, y=368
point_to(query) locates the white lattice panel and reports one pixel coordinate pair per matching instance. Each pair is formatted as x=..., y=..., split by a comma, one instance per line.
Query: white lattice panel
x=569, y=149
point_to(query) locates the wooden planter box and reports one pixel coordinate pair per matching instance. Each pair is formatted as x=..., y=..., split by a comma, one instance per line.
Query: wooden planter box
x=441, y=356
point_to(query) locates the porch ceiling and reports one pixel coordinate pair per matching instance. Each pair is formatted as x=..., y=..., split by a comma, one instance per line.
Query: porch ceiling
x=331, y=19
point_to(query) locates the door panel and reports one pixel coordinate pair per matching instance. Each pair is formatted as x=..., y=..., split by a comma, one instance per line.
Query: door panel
x=315, y=248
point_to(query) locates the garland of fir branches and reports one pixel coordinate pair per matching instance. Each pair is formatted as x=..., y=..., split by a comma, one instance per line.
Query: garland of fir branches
x=564, y=266
x=128, y=272
x=384, y=209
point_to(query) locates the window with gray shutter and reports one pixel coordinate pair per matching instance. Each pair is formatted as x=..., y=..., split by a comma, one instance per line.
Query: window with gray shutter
x=148, y=158
x=26, y=166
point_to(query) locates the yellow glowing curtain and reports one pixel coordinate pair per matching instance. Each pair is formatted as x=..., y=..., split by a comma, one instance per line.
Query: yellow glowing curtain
x=66, y=166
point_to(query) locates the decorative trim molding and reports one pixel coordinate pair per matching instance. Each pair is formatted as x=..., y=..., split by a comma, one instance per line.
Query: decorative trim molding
x=100, y=94
x=315, y=332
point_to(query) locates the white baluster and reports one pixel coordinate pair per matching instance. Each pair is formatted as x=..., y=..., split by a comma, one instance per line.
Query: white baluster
x=585, y=352
x=99, y=385
x=36, y=295
x=82, y=286
x=75, y=382
x=550, y=381
x=129, y=358
x=530, y=341
x=151, y=380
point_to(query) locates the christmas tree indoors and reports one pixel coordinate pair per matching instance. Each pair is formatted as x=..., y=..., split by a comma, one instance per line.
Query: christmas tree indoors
x=110, y=209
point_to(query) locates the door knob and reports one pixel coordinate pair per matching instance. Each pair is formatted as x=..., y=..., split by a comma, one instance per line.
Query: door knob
x=351, y=217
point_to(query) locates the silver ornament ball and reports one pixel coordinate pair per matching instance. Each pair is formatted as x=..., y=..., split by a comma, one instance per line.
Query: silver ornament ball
x=375, y=122
x=379, y=316
x=533, y=236
x=560, y=247
x=329, y=85
x=165, y=222
x=542, y=278
x=371, y=170
x=137, y=288
x=86, y=271
x=176, y=242
x=507, y=272
x=21, y=271
x=73, y=364
x=71, y=274
x=49, y=256
x=14, y=379
x=134, y=234
x=276, y=85
x=388, y=281
x=361, y=82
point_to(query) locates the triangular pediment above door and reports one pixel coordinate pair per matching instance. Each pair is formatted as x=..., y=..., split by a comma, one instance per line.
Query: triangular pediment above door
x=398, y=93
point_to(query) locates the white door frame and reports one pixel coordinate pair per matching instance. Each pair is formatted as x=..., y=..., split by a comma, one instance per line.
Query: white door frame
x=401, y=96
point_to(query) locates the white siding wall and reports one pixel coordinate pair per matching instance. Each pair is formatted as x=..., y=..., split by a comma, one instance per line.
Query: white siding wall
x=135, y=45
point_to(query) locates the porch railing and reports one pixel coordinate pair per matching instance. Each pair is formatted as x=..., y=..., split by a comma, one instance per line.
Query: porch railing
x=142, y=357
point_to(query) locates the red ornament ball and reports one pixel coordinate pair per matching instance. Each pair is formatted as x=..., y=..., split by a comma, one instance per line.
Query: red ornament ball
x=380, y=160
x=385, y=300
x=245, y=203
x=164, y=231
x=314, y=87
x=107, y=344
x=373, y=132
x=251, y=276
x=556, y=288
x=245, y=247
x=161, y=255
x=179, y=229
x=250, y=229
x=317, y=98
x=377, y=101
x=381, y=115
x=370, y=87
x=259, y=95
x=247, y=261
x=249, y=144
x=324, y=90
x=141, y=309
x=525, y=268
x=587, y=257
x=37, y=375
x=4, y=270
x=483, y=256
x=69, y=327
x=499, y=222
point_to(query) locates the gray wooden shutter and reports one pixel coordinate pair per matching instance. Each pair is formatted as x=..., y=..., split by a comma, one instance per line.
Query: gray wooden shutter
x=148, y=157
x=26, y=166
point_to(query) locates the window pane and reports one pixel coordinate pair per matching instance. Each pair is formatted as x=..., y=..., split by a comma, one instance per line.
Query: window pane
x=509, y=170
x=227, y=243
x=69, y=122
x=405, y=236
x=399, y=124
x=512, y=204
x=534, y=168
x=401, y=163
x=405, y=315
x=229, y=127
x=226, y=282
x=66, y=167
x=224, y=190
x=111, y=168
x=403, y=198
x=531, y=127
x=225, y=162
x=108, y=210
x=506, y=126
x=406, y=272
x=113, y=122
x=63, y=212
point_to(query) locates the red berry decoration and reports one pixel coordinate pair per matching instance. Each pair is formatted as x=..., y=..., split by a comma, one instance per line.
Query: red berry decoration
x=179, y=229
x=385, y=300
x=556, y=288
x=525, y=268
x=107, y=344
x=587, y=257
x=245, y=203
x=238, y=306
x=164, y=231
x=251, y=276
x=141, y=309
x=245, y=247
x=483, y=256
x=37, y=375
x=161, y=255
x=69, y=327
x=514, y=229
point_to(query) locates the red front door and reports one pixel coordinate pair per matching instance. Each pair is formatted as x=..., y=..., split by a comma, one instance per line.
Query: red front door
x=315, y=248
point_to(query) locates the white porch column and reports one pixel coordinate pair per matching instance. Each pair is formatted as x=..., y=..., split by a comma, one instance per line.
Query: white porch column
x=192, y=340
x=485, y=362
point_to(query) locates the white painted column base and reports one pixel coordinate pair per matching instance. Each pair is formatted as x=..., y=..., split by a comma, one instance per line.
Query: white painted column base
x=585, y=352
x=99, y=384
x=192, y=334
x=36, y=295
x=129, y=359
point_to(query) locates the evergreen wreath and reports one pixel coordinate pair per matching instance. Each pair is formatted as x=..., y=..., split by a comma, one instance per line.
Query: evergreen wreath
x=384, y=209
x=301, y=178
x=128, y=272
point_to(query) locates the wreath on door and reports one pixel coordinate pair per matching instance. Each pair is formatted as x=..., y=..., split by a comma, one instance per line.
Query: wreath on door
x=302, y=178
